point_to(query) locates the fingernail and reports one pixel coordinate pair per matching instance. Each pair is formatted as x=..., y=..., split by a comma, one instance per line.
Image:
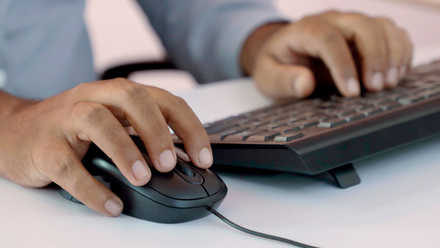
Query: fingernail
x=113, y=207
x=205, y=156
x=140, y=170
x=353, y=87
x=402, y=71
x=167, y=160
x=377, y=81
x=392, y=75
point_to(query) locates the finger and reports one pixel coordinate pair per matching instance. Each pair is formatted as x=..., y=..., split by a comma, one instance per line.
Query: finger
x=130, y=130
x=94, y=122
x=65, y=169
x=186, y=126
x=285, y=80
x=319, y=39
x=408, y=53
x=372, y=46
x=131, y=101
x=397, y=51
x=182, y=154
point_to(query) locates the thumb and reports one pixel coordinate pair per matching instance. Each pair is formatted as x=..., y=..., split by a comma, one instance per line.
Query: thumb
x=276, y=80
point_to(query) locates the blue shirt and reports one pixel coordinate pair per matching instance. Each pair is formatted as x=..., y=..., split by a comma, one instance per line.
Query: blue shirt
x=45, y=49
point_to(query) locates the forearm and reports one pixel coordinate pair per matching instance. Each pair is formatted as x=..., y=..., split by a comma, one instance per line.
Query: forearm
x=205, y=37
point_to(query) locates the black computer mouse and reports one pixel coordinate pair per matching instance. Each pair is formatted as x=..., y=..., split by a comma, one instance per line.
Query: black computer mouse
x=182, y=195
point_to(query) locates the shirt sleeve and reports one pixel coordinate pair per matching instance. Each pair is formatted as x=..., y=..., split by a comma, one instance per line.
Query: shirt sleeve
x=205, y=37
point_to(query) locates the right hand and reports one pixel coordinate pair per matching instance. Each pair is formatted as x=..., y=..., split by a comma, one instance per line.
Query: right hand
x=333, y=48
x=44, y=142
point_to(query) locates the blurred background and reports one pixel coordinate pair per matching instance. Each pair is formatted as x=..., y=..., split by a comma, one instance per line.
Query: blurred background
x=120, y=32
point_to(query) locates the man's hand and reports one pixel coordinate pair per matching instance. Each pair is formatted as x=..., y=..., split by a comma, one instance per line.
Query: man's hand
x=285, y=59
x=44, y=142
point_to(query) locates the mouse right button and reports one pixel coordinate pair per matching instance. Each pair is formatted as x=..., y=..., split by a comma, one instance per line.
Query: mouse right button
x=213, y=183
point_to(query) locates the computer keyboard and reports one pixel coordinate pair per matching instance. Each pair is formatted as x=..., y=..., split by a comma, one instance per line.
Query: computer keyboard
x=327, y=134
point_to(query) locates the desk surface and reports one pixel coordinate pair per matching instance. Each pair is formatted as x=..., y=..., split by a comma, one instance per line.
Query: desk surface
x=396, y=205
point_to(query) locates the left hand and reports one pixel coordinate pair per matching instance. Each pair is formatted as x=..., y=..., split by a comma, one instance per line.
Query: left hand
x=347, y=49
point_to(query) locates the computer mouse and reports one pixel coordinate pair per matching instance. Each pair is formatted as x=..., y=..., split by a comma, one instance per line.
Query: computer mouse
x=182, y=195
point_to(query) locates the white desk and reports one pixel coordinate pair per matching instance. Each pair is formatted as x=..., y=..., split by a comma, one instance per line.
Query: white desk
x=396, y=205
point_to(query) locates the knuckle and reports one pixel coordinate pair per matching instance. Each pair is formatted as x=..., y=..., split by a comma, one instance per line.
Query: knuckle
x=361, y=21
x=121, y=148
x=82, y=86
x=329, y=37
x=59, y=167
x=354, y=17
x=81, y=187
x=60, y=170
x=162, y=134
x=127, y=90
x=177, y=101
x=119, y=81
x=322, y=31
x=113, y=133
x=315, y=27
x=310, y=22
x=150, y=110
x=87, y=111
x=386, y=21
x=79, y=90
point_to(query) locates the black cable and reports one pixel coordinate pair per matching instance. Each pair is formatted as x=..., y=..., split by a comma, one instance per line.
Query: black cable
x=267, y=236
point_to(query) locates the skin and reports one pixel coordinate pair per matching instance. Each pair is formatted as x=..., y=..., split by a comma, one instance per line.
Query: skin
x=44, y=141
x=344, y=49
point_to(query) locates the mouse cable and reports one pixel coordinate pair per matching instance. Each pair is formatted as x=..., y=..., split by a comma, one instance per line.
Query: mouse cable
x=267, y=236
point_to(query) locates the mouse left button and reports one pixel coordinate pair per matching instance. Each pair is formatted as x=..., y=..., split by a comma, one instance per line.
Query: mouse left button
x=68, y=196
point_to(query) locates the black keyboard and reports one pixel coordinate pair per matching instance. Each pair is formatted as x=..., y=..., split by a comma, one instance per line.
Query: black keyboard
x=327, y=134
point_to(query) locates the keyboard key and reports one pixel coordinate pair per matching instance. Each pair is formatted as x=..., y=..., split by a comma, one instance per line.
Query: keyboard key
x=327, y=118
x=411, y=99
x=432, y=93
x=231, y=131
x=215, y=137
x=354, y=116
x=332, y=123
x=246, y=134
x=233, y=138
x=216, y=128
x=263, y=136
x=292, y=129
x=350, y=111
x=385, y=101
x=310, y=124
x=288, y=137
x=366, y=107
x=303, y=124
x=372, y=111
x=390, y=105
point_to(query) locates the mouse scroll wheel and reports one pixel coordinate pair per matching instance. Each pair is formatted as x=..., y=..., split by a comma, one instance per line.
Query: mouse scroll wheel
x=185, y=169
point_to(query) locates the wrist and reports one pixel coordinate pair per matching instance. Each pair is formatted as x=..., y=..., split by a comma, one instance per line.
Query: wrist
x=9, y=105
x=254, y=43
